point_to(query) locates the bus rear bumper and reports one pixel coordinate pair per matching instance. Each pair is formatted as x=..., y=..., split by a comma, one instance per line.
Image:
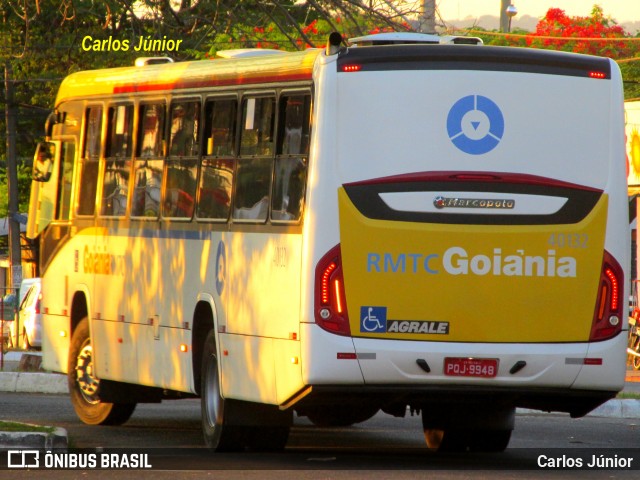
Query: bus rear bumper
x=396, y=400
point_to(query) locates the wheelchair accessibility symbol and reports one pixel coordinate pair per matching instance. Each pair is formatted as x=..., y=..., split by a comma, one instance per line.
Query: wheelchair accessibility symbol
x=373, y=319
x=475, y=124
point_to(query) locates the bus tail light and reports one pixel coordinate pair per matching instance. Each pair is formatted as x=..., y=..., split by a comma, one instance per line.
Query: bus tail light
x=351, y=68
x=330, y=307
x=607, y=318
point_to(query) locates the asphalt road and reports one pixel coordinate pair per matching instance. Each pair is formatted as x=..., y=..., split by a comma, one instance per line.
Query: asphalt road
x=383, y=444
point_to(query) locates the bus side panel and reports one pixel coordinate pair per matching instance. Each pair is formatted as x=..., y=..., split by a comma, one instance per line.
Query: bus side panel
x=55, y=342
x=248, y=368
x=173, y=268
x=611, y=374
x=287, y=368
x=118, y=352
x=63, y=279
x=263, y=278
x=328, y=358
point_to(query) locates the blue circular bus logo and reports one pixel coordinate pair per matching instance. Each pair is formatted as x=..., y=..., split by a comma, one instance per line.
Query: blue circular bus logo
x=475, y=124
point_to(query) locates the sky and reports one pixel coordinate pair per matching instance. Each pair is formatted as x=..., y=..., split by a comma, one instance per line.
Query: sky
x=620, y=10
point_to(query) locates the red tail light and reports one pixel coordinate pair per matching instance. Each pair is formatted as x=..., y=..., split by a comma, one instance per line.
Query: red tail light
x=607, y=319
x=330, y=301
x=351, y=68
x=38, y=303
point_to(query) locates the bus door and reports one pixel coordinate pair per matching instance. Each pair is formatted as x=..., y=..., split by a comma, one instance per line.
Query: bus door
x=50, y=200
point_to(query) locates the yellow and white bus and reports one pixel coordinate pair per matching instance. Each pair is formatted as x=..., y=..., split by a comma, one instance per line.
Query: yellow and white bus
x=436, y=226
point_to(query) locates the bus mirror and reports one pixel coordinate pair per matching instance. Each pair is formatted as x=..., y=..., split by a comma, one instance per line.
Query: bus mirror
x=43, y=161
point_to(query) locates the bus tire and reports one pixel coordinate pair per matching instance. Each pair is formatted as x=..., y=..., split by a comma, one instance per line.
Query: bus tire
x=449, y=440
x=269, y=439
x=461, y=440
x=84, y=386
x=490, y=440
x=218, y=434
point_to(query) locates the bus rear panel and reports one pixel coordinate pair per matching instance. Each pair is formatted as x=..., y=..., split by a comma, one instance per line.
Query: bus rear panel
x=482, y=246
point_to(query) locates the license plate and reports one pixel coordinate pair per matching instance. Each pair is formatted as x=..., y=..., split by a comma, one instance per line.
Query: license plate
x=471, y=367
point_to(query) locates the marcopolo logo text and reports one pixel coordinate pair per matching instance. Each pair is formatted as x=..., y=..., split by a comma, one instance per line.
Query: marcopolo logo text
x=458, y=261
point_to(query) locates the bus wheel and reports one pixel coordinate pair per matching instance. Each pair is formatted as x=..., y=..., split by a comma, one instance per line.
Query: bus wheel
x=460, y=440
x=490, y=440
x=445, y=440
x=269, y=439
x=218, y=435
x=84, y=386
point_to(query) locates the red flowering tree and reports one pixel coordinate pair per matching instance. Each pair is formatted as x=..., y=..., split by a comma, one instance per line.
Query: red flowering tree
x=580, y=34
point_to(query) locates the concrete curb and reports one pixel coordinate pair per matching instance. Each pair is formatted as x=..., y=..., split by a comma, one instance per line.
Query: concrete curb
x=628, y=408
x=33, y=382
x=56, y=439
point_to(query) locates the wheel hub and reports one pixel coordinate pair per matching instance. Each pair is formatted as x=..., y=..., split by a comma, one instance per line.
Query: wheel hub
x=87, y=382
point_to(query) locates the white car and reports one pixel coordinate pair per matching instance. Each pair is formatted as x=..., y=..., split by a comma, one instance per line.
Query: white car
x=7, y=315
x=29, y=318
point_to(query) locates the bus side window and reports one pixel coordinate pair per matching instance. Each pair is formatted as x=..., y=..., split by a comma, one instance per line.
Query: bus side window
x=180, y=188
x=220, y=127
x=90, y=161
x=253, y=174
x=216, y=173
x=151, y=131
x=65, y=180
x=185, y=119
x=216, y=181
x=43, y=161
x=294, y=125
x=147, y=169
x=118, y=161
x=182, y=165
x=257, y=126
x=290, y=175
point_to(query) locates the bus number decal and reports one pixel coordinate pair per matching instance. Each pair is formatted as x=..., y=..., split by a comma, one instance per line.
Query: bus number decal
x=569, y=240
x=280, y=256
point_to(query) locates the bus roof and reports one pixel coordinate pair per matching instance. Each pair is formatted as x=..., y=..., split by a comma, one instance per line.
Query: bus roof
x=290, y=67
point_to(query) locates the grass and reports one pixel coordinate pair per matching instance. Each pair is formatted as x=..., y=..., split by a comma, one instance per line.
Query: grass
x=23, y=427
x=628, y=396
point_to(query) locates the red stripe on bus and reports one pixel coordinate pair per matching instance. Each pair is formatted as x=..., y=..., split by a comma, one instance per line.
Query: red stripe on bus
x=240, y=80
x=483, y=177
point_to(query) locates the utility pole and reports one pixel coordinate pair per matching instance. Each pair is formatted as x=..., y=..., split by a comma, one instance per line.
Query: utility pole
x=428, y=20
x=15, y=256
x=504, y=19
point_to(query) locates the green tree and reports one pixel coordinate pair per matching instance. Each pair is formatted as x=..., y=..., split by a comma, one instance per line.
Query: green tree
x=45, y=40
x=595, y=34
